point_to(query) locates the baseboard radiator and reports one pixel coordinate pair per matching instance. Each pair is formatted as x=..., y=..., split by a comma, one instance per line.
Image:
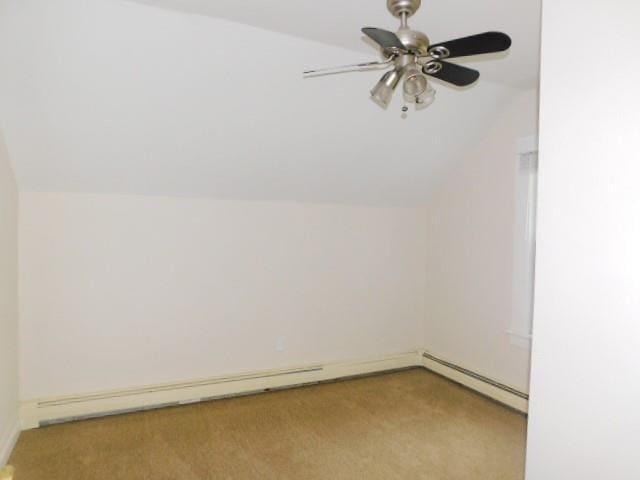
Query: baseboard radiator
x=500, y=392
x=48, y=411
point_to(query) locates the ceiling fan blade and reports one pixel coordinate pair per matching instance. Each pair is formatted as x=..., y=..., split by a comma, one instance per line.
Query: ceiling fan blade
x=488, y=42
x=384, y=38
x=348, y=68
x=451, y=73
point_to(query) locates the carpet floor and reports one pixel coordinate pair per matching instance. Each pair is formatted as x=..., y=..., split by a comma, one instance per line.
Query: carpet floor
x=405, y=425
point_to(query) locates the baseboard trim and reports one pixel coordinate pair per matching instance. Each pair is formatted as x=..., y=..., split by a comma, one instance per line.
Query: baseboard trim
x=497, y=391
x=46, y=411
x=8, y=440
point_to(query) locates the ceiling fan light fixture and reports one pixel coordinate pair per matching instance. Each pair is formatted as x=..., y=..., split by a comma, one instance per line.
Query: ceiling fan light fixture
x=415, y=83
x=417, y=88
x=382, y=93
x=426, y=99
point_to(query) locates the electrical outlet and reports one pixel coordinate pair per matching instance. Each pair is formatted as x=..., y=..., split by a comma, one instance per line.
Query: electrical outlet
x=280, y=344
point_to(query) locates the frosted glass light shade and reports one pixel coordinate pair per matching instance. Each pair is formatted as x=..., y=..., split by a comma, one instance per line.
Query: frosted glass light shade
x=382, y=93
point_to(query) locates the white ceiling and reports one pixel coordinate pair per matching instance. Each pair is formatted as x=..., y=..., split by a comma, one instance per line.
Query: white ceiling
x=113, y=96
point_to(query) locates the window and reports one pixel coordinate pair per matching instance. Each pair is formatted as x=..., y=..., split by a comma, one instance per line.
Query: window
x=524, y=245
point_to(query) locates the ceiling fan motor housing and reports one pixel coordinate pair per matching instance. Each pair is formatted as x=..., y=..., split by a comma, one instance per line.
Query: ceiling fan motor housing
x=398, y=7
x=414, y=41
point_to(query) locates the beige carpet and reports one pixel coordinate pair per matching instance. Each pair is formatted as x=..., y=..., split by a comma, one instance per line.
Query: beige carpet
x=406, y=425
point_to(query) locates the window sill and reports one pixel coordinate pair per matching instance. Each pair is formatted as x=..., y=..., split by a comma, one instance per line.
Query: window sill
x=522, y=340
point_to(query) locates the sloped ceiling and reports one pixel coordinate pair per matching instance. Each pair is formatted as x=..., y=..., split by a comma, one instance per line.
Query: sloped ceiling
x=338, y=22
x=118, y=96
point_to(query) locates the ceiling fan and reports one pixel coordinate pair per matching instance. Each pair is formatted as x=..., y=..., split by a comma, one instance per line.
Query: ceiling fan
x=414, y=59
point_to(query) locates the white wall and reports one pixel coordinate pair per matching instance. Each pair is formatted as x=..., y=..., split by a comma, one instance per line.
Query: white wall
x=584, y=419
x=470, y=244
x=119, y=291
x=8, y=305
